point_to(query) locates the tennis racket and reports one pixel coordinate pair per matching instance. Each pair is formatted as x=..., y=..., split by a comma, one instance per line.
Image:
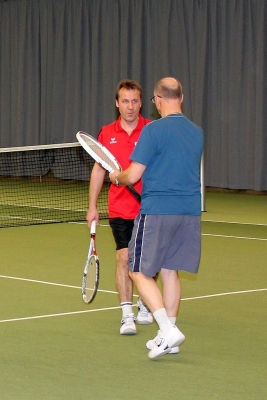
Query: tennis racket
x=103, y=156
x=91, y=271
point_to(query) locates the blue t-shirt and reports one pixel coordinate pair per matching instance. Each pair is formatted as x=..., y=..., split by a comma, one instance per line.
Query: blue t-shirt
x=171, y=149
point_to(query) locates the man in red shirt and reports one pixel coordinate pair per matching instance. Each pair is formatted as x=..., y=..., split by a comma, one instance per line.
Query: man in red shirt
x=120, y=138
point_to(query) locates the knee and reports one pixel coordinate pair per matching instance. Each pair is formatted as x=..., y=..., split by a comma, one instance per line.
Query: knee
x=132, y=275
x=122, y=258
x=169, y=274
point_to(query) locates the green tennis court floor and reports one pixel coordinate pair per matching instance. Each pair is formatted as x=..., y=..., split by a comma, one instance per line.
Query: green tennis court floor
x=53, y=346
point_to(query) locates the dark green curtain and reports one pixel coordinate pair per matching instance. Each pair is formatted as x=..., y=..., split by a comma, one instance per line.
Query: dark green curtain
x=60, y=61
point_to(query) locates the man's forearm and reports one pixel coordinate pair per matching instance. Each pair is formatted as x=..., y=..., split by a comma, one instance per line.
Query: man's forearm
x=123, y=178
x=96, y=182
x=128, y=177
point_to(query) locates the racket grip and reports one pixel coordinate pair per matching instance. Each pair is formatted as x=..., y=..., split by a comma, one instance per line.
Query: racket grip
x=93, y=227
x=134, y=193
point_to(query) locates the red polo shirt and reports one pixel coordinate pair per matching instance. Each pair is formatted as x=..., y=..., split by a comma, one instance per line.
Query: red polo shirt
x=121, y=203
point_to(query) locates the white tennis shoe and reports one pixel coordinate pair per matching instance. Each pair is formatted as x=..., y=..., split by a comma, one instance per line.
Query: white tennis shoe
x=128, y=325
x=144, y=315
x=151, y=343
x=163, y=343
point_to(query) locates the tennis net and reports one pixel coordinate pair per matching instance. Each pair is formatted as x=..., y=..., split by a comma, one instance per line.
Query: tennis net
x=46, y=184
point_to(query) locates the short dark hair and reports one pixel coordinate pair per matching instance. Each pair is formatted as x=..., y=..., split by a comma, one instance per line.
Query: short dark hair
x=169, y=91
x=128, y=84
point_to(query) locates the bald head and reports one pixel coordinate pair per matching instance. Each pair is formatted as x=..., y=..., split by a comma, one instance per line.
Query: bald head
x=169, y=88
x=168, y=96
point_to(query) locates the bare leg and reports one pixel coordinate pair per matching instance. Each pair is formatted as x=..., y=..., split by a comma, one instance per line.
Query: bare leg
x=172, y=291
x=125, y=289
x=148, y=290
x=123, y=280
x=151, y=294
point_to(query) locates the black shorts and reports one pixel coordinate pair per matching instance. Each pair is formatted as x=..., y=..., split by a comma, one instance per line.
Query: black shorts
x=122, y=231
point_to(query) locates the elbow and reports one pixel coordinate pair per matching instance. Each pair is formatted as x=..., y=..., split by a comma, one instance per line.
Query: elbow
x=131, y=181
x=132, y=178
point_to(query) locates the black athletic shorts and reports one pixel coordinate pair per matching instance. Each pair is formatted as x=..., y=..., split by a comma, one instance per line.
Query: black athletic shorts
x=122, y=231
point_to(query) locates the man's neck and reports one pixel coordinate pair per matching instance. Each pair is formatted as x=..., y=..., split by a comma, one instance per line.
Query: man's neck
x=166, y=112
x=129, y=126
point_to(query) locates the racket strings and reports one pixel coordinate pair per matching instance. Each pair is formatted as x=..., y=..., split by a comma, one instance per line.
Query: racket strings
x=101, y=154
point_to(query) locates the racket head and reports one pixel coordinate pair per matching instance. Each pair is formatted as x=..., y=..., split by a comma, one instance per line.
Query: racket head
x=98, y=152
x=90, y=279
x=103, y=156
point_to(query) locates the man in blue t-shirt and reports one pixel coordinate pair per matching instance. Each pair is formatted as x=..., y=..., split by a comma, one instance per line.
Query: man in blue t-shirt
x=166, y=236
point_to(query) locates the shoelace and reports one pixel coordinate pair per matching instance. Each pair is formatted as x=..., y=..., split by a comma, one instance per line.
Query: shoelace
x=128, y=319
x=159, y=341
x=142, y=308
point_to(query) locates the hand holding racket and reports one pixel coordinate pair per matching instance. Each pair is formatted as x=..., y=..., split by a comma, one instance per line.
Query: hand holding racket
x=103, y=156
x=91, y=271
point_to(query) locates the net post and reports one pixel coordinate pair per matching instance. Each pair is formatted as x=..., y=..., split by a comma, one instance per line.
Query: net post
x=203, y=203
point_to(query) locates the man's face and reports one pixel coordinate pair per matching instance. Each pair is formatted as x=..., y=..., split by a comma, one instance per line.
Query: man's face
x=129, y=104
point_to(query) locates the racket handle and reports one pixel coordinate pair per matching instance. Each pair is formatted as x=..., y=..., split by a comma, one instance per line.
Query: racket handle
x=134, y=193
x=93, y=227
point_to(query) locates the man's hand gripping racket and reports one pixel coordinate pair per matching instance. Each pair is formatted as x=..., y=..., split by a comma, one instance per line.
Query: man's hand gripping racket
x=103, y=156
x=91, y=271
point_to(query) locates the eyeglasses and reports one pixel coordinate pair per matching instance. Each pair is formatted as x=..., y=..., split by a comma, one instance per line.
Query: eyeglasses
x=154, y=98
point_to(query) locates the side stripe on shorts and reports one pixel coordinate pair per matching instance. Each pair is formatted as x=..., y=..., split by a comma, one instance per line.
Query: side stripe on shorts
x=139, y=243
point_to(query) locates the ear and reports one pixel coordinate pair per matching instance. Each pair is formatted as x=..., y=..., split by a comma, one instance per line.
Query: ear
x=182, y=98
x=117, y=104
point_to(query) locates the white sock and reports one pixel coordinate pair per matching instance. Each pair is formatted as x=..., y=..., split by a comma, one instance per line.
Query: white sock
x=162, y=319
x=173, y=320
x=127, y=308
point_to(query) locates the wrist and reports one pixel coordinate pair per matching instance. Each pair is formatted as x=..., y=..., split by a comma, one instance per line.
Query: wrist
x=116, y=181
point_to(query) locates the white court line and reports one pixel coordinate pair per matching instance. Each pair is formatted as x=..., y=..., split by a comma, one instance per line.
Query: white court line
x=233, y=222
x=227, y=236
x=85, y=223
x=118, y=307
x=202, y=220
x=225, y=294
x=51, y=283
x=233, y=237
x=59, y=314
